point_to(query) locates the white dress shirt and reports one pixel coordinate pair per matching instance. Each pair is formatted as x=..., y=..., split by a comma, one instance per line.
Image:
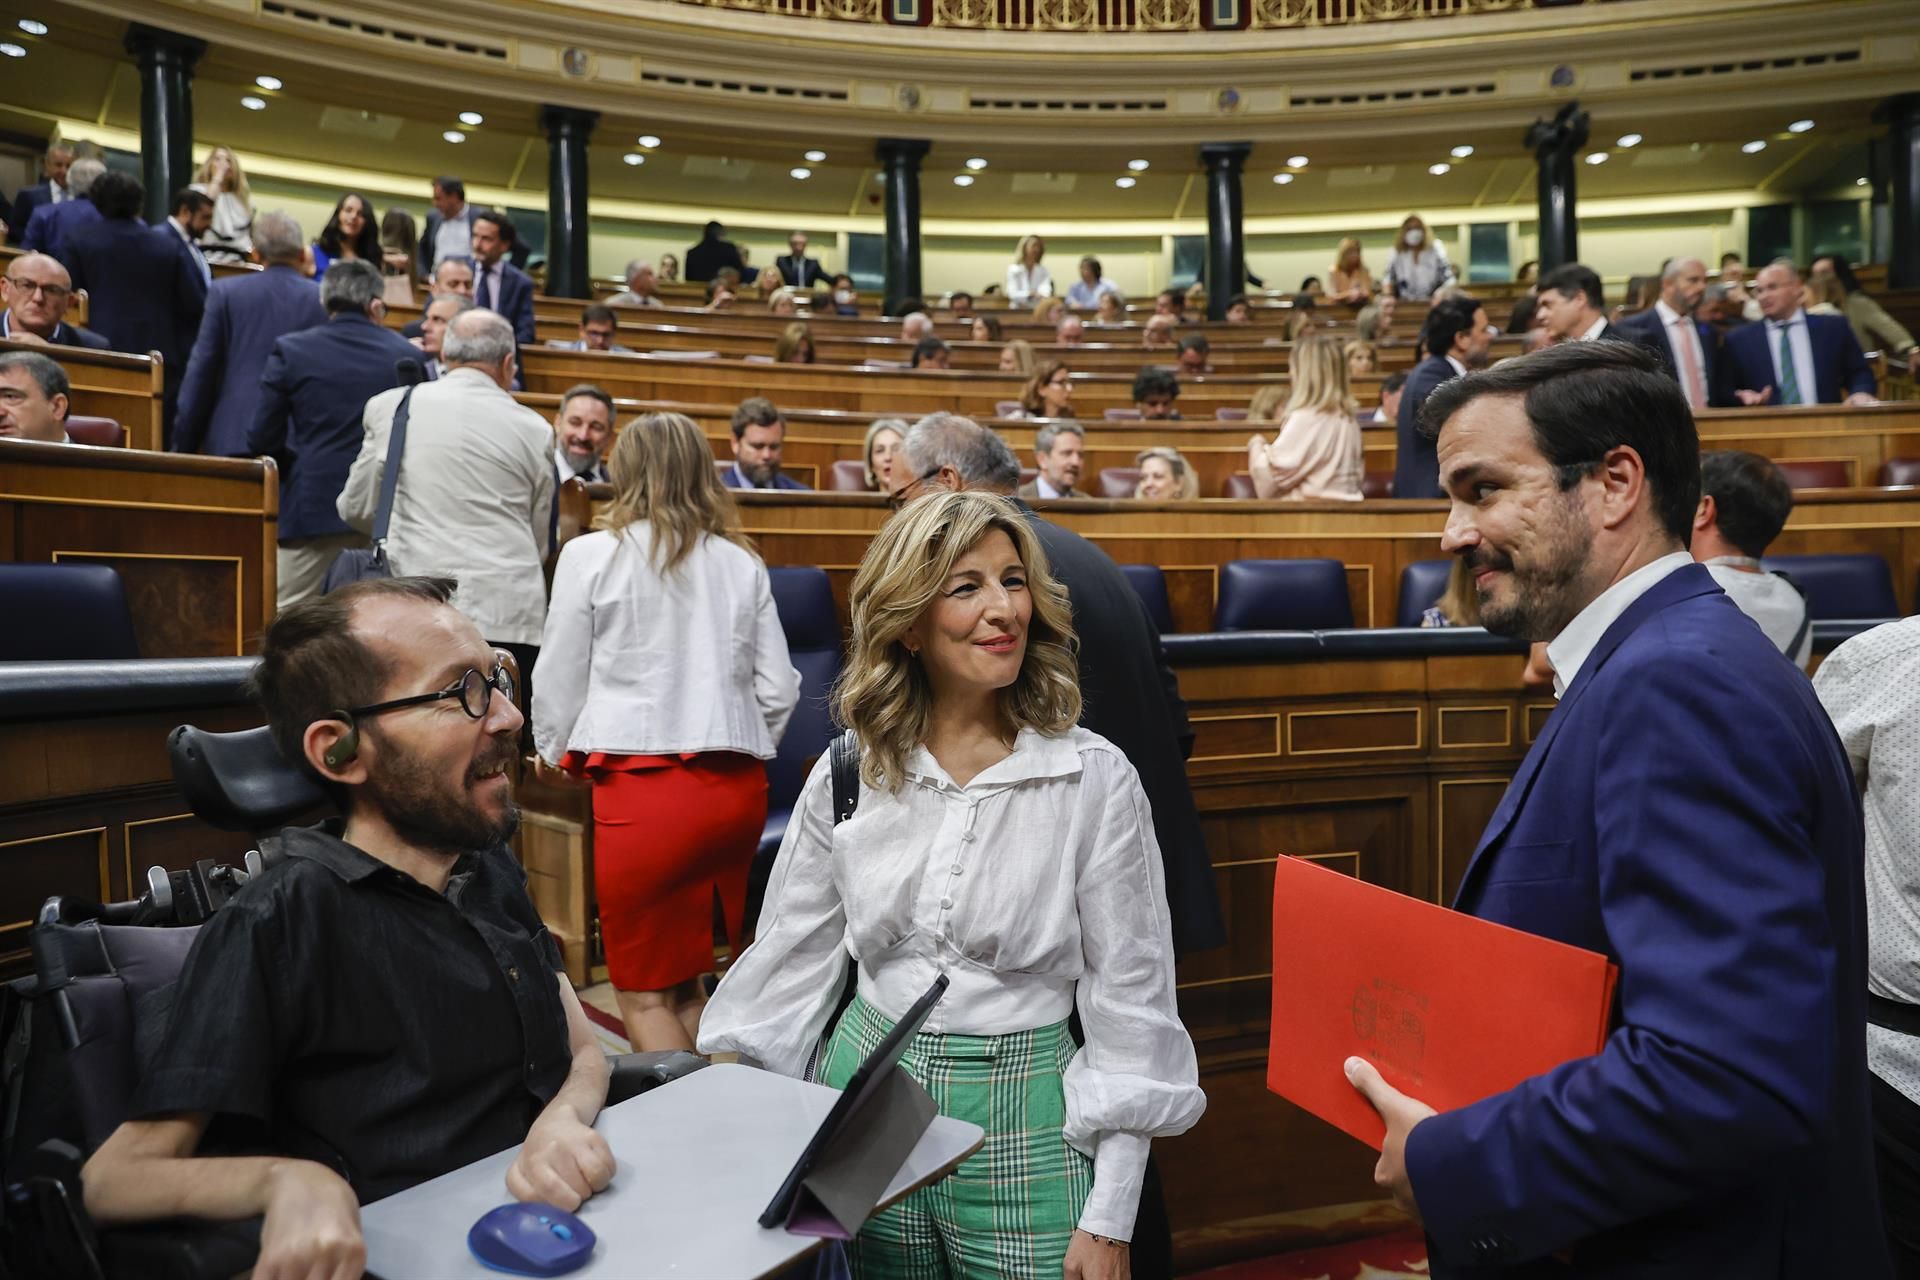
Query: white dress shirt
x=1044, y=489
x=1871, y=687
x=1681, y=333
x=57, y=194
x=1800, y=343
x=563, y=469
x=634, y=662
x=193, y=251
x=475, y=499
x=1024, y=284
x=453, y=238
x=1036, y=886
x=1594, y=331
x=1568, y=651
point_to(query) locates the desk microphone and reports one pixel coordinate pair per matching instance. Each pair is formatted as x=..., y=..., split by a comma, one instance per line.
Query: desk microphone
x=410, y=371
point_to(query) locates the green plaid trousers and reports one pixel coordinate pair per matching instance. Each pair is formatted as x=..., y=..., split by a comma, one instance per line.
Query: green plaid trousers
x=1009, y=1210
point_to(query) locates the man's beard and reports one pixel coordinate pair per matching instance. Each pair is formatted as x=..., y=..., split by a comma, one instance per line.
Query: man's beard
x=761, y=473
x=1541, y=598
x=582, y=462
x=426, y=813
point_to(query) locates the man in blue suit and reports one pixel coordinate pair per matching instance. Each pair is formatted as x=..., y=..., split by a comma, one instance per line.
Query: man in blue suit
x=1457, y=337
x=1688, y=349
x=52, y=223
x=312, y=397
x=52, y=191
x=245, y=316
x=37, y=292
x=759, y=436
x=498, y=285
x=1688, y=812
x=1790, y=357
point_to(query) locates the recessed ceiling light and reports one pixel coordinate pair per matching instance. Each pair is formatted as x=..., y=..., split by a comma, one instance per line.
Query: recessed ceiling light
x=1461, y=152
x=1800, y=126
x=962, y=179
x=250, y=102
x=802, y=173
x=1628, y=140
x=1596, y=157
x=13, y=50
x=1138, y=166
x=1296, y=162
x=33, y=27
x=1755, y=147
x=269, y=83
x=976, y=164
x=634, y=157
x=815, y=157
x=1859, y=182
x=648, y=141
x=1124, y=182
x=1283, y=178
x=454, y=135
x=473, y=118
x=1437, y=169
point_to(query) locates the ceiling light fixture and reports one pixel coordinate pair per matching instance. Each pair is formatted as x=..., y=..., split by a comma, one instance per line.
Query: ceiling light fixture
x=976, y=164
x=454, y=135
x=1138, y=166
x=1800, y=126
x=269, y=83
x=1628, y=140
x=1755, y=147
x=473, y=118
x=802, y=173
x=1437, y=169
x=1283, y=178
x=648, y=141
x=32, y=27
x=1296, y=162
x=1461, y=152
x=250, y=102
x=962, y=179
x=1124, y=182
x=634, y=157
x=816, y=157
x=1596, y=157
x=1859, y=182
x=13, y=50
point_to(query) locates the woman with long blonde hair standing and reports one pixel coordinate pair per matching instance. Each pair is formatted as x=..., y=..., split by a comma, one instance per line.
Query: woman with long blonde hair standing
x=1348, y=279
x=1027, y=280
x=997, y=842
x=220, y=179
x=665, y=681
x=1316, y=453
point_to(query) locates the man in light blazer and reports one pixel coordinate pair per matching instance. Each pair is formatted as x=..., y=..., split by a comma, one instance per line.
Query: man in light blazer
x=1687, y=812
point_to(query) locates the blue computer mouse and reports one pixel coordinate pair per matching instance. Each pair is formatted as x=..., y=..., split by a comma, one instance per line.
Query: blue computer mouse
x=531, y=1240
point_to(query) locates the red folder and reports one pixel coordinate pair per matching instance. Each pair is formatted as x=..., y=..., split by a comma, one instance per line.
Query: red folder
x=1450, y=1009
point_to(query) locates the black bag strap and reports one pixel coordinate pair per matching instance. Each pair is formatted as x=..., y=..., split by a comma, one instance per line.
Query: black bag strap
x=1806, y=621
x=843, y=757
x=390, y=479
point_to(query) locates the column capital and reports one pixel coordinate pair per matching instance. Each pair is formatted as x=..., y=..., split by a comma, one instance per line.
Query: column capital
x=1567, y=132
x=143, y=42
x=557, y=120
x=1228, y=155
x=902, y=151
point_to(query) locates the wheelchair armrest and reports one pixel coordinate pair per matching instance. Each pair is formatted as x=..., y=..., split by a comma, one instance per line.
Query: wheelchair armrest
x=183, y=1249
x=635, y=1073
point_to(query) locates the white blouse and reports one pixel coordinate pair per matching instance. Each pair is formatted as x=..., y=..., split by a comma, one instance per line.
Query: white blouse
x=1416, y=277
x=1026, y=284
x=1035, y=886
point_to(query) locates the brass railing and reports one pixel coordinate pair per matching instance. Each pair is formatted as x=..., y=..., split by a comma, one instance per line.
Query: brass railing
x=1123, y=15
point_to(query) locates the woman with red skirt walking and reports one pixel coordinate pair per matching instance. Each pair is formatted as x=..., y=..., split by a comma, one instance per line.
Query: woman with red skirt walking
x=665, y=681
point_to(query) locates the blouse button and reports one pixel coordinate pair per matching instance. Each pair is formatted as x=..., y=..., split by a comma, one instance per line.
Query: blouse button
x=967, y=836
x=956, y=868
x=946, y=902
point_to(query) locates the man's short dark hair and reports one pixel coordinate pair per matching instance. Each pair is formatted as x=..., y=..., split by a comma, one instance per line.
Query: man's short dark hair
x=926, y=348
x=1751, y=498
x=598, y=313
x=451, y=185
x=1196, y=342
x=190, y=200
x=713, y=231
x=1153, y=380
x=1725, y=258
x=1179, y=298
x=45, y=372
x=755, y=411
x=1447, y=320
x=1093, y=262
x=502, y=224
x=1238, y=300
x=314, y=665
x=117, y=195
x=1584, y=398
x=1393, y=382
x=957, y=295
x=1573, y=278
x=591, y=392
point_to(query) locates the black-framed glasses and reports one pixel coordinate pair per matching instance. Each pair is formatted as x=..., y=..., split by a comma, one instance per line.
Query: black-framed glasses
x=474, y=688
x=907, y=492
x=54, y=292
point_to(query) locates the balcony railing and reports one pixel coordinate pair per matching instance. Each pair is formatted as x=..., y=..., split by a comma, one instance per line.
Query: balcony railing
x=1131, y=15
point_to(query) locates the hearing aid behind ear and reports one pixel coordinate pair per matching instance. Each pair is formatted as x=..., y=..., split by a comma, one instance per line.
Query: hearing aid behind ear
x=348, y=745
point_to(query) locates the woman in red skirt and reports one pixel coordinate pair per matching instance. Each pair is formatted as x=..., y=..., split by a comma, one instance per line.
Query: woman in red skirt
x=665, y=681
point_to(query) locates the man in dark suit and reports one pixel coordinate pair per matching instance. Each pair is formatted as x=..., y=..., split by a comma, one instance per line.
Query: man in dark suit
x=796, y=268
x=245, y=316
x=759, y=436
x=312, y=396
x=53, y=190
x=713, y=252
x=144, y=288
x=1457, y=337
x=1573, y=307
x=452, y=276
x=1790, y=357
x=37, y=292
x=1688, y=812
x=1688, y=349
x=498, y=285
x=52, y=224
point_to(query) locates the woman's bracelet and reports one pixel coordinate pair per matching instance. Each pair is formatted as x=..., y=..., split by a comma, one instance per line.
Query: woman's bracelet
x=1109, y=1241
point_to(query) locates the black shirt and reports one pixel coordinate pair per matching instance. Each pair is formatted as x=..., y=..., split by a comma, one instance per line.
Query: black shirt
x=340, y=1011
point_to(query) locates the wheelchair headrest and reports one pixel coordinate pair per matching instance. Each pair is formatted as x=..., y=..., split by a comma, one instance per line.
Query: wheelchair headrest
x=240, y=781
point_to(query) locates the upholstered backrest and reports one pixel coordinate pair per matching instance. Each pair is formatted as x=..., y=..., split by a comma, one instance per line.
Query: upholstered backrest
x=1376, y=484
x=804, y=599
x=1421, y=585
x=1150, y=584
x=1900, y=471
x=77, y=611
x=1119, y=482
x=1818, y=473
x=1226, y=413
x=1238, y=485
x=848, y=475
x=1841, y=586
x=1283, y=595
x=100, y=431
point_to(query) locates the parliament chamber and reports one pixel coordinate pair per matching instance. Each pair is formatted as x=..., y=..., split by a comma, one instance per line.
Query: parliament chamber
x=1212, y=163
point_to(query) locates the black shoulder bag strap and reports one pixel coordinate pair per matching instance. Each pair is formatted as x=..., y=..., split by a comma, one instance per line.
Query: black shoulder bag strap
x=1806, y=621
x=390, y=479
x=843, y=761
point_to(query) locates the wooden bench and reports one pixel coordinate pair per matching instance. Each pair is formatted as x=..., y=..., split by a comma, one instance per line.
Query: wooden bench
x=109, y=384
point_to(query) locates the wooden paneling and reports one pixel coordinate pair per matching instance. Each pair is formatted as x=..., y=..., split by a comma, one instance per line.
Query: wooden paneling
x=108, y=384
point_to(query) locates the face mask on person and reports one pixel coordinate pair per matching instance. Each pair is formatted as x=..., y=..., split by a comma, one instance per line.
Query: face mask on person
x=843, y=296
x=1414, y=238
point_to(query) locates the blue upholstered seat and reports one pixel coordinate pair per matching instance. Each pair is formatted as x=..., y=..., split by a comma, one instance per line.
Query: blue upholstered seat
x=1282, y=595
x=1421, y=585
x=1150, y=584
x=1841, y=586
x=78, y=611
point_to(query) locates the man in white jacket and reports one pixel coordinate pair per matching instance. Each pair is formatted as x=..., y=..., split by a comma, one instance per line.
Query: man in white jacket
x=475, y=496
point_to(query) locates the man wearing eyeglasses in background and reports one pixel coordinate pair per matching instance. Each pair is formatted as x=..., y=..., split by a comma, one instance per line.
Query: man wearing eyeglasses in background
x=38, y=291
x=383, y=1005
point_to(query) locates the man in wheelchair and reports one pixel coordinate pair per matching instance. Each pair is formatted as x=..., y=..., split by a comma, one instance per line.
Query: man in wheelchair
x=383, y=1005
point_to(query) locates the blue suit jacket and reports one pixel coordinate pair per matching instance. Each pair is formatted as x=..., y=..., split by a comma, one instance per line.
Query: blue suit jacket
x=1688, y=812
x=144, y=288
x=312, y=396
x=515, y=301
x=1416, y=467
x=24, y=204
x=245, y=316
x=64, y=334
x=53, y=225
x=733, y=479
x=1645, y=328
x=1839, y=366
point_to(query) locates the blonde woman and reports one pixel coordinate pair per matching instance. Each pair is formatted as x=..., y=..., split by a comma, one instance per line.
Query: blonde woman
x=1165, y=475
x=665, y=681
x=1267, y=403
x=1362, y=359
x=999, y=843
x=795, y=345
x=885, y=471
x=781, y=302
x=1316, y=453
x=1048, y=311
x=1027, y=280
x=1112, y=309
x=1017, y=357
x=220, y=179
x=1348, y=279
x=1419, y=265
